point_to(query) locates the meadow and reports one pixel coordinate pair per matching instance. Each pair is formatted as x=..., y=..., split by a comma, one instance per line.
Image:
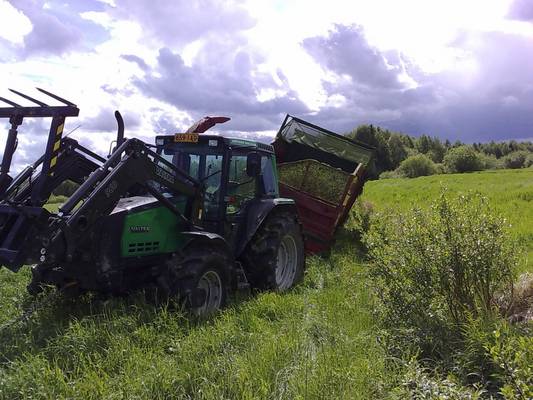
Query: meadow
x=320, y=340
x=510, y=193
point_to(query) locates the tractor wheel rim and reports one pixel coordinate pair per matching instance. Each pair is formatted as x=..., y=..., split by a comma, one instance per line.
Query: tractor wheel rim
x=211, y=283
x=286, y=263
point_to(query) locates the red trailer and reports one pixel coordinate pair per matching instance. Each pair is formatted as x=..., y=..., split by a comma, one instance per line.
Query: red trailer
x=324, y=173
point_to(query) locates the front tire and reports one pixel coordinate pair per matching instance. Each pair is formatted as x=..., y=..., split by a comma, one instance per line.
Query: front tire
x=212, y=292
x=199, y=279
x=275, y=258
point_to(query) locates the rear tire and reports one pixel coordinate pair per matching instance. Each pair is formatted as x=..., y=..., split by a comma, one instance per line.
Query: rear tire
x=275, y=258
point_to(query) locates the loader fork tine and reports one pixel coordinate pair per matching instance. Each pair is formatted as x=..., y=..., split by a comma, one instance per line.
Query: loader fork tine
x=38, y=102
x=55, y=96
x=11, y=103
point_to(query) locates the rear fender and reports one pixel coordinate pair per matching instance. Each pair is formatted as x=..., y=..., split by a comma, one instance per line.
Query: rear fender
x=257, y=212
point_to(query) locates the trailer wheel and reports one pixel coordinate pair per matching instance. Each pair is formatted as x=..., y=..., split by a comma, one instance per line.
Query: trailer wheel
x=198, y=280
x=275, y=258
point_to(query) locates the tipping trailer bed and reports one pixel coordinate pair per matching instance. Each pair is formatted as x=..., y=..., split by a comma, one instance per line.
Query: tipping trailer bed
x=324, y=173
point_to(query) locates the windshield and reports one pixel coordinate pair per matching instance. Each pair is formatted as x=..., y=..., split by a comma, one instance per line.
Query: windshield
x=203, y=163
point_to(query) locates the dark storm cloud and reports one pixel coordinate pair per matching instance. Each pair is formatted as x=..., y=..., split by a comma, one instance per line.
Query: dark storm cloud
x=521, y=10
x=346, y=51
x=58, y=28
x=183, y=21
x=495, y=102
x=223, y=80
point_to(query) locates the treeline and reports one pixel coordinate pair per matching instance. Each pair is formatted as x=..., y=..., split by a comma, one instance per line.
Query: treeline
x=401, y=155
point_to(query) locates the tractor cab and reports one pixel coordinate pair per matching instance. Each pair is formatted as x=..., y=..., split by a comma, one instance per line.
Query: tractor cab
x=234, y=173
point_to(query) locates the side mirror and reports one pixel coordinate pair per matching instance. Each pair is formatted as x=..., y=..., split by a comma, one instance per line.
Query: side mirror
x=253, y=164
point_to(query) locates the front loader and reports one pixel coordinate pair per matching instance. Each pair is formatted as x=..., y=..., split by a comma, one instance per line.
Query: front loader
x=193, y=217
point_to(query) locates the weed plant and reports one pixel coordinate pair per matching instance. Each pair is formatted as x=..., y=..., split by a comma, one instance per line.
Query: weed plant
x=440, y=275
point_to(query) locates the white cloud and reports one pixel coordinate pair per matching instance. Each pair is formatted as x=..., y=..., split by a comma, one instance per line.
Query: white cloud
x=418, y=37
x=14, y=25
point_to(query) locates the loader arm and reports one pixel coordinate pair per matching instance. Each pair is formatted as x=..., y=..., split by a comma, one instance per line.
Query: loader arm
x=133, y=163
x=30, y=234
x=76, y=161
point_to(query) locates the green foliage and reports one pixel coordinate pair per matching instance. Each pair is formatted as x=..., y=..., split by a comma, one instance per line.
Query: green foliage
x=510, y=193
x=414, y=166
x=389, y=174
x=436, y=269
x=392, y=148
x=360, y=217
x=513, y=354
x=463, y=159
x=423, y=144
x=432, y=147
x=529, y=161
x=440, y=168
x=489, y=161
x=516, y=159
x=419, y=383
x=316, y=178
x=501, y=149
x=397, y=150
x=66, y=188
x=378, y=138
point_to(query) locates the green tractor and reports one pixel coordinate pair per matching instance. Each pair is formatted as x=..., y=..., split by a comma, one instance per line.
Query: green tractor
x=194, y=217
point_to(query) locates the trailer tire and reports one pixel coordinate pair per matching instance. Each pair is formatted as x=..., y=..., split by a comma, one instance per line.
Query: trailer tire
x=199, y=279
x=275, y=258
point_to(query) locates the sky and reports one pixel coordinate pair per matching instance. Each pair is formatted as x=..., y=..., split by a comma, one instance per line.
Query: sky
x=456, y=69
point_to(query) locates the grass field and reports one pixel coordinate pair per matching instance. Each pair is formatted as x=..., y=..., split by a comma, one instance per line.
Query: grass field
x=318, y=341
x=510, y=193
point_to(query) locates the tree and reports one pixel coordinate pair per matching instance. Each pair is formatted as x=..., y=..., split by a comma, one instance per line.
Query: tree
x=419, y=165
x=423, y=144
x=376, y=138
x=463, y=159
x=437, y=150
x=397, y=150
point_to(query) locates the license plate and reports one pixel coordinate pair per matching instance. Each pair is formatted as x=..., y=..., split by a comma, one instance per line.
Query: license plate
x=186, y=137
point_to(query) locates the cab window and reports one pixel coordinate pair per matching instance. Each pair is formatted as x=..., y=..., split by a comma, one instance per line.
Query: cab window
x=241, y=187
x=268, y=177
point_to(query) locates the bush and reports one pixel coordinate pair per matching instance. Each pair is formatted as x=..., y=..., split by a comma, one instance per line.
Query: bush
x=516, y=159
x=360, y=218
x=513, y=353
x=529, y=160
x=463, y=159
x=419, y=383
x=440, y=168
x=435, y=270
x=389, y=175
x=418, y=165
x=490, y=161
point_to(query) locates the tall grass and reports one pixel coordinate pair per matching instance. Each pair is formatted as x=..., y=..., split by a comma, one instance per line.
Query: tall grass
x=317, y=341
